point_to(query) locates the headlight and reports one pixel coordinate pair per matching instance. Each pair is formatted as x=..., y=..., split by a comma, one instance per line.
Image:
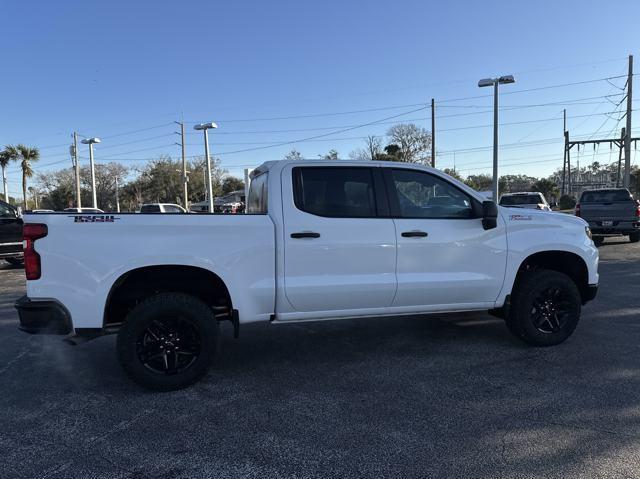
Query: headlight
x=587, y=230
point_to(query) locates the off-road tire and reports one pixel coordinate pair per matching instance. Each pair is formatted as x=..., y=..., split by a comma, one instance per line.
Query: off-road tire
x=634, y=237
x=598, y=240
x=135, y=338
x=535, y=290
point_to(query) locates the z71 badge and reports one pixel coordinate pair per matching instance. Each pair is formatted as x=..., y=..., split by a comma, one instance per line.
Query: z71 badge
x=94, y=219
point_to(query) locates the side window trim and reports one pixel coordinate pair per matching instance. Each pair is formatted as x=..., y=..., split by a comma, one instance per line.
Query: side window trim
x=394, y=203
x=382, y=208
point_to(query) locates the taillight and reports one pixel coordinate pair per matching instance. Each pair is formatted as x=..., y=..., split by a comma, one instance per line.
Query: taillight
x=637, y=210
x=577, y=209
x=30, y=233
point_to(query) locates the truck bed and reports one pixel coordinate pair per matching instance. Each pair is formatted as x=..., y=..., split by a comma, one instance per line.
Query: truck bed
x=95, y=250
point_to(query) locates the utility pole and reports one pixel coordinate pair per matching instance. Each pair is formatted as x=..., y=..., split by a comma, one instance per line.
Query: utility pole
x=433, y=133
x=185, y=178
x=622, y=140
x=627, y=137
x=564, y=158
x=566, y=136
x=77, y=169
x=117, y=196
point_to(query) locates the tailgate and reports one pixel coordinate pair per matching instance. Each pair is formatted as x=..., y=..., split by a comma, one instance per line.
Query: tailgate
x=616, y=211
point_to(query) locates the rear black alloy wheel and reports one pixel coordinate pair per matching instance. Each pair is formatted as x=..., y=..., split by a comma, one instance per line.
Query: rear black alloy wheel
x=168, y=341
x=169, y=345
x=545, y=307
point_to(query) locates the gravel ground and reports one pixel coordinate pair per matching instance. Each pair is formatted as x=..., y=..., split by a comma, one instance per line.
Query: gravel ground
x=403, y=397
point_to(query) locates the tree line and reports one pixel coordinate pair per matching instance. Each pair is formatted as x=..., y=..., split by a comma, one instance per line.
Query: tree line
x=160, y=180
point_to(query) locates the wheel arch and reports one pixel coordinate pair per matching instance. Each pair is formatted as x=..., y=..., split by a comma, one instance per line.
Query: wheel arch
x=565, y=262
x=139, y=283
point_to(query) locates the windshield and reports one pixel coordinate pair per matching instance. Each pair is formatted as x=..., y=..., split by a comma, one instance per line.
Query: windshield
x=513, y=200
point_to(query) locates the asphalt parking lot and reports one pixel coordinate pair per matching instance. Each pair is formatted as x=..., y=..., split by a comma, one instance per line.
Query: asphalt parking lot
x=402, y=397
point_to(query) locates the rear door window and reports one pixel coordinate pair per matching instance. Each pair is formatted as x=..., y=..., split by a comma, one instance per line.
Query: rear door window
x=335, y=192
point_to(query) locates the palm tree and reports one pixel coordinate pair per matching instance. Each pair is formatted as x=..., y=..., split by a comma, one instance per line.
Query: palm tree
x=27, y=157
x=9, y=154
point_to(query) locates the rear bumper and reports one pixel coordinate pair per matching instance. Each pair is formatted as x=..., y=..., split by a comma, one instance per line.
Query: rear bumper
x=43, y=317
x=618, y=227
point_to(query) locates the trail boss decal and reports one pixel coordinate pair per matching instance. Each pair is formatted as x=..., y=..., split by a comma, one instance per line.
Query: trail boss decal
x=94, y=219
x=519, y=218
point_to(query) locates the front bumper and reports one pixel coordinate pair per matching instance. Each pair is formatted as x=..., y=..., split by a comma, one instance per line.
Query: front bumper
x=43, y=317
x=589, y=293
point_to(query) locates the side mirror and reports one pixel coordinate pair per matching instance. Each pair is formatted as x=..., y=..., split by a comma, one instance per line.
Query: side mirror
x=489, y=215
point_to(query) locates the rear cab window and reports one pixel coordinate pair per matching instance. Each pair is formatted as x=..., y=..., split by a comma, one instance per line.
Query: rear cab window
x=514, y=200
x=606, y=196
x=257, y=202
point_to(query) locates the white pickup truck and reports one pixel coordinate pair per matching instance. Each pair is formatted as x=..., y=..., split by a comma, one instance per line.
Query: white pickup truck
x=321, y=240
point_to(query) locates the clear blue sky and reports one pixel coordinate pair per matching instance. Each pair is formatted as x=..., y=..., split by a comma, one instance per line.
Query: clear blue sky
x=111, y=69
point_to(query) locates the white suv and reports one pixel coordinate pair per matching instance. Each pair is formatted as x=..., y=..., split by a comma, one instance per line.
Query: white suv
x=162, y=208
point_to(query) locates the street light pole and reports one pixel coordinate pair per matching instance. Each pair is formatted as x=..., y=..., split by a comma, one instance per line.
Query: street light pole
x=494, y=184
x=495, y=82
x=93, y=176
x=117, y=196
x=209, y=183
x=205, y=127
x=90, y=142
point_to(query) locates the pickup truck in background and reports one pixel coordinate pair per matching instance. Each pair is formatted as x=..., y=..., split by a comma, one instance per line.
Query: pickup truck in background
x=321, y=240
x=610, y=212
x=10, y=234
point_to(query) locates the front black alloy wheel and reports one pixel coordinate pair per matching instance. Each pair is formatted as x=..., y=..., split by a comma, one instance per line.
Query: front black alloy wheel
x=168, y=341
x=550, y=310
x=545, y=307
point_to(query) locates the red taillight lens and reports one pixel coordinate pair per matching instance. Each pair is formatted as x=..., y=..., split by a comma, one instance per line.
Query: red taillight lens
x=30, y=233
x=578, y=209
x=638, y=210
